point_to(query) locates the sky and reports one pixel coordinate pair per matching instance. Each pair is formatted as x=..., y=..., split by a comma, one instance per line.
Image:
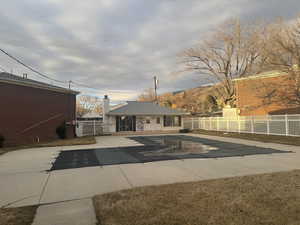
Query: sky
x=117, y=46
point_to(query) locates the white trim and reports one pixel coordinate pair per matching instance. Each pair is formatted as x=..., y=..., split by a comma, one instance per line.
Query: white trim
x=263, y=75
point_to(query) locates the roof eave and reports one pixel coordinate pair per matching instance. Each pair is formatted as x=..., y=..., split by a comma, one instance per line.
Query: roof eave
x=61, y=90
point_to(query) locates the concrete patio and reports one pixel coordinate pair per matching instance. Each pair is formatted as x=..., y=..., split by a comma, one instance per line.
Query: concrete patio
x=25, y=179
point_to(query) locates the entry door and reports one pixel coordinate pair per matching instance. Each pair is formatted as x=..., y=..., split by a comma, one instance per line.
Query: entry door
x=125, y=123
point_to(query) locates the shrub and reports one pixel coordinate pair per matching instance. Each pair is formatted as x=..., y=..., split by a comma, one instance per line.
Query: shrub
x=184, y=130
x=2, y=139
x=61, y=131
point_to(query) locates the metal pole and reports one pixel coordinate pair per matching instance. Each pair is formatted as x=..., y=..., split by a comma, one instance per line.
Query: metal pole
x=155, y=88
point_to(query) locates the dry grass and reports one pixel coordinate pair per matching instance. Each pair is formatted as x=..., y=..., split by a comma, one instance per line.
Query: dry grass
x=17, y=216
x=62, y=142
x=268, y=199
x=74, y=141
x=288, y=140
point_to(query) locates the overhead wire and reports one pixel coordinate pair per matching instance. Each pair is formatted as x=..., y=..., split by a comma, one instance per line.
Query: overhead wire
x=30, y=68
x=44, y=76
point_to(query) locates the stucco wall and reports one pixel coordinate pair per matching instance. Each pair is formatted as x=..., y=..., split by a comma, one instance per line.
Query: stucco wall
x=141, y=124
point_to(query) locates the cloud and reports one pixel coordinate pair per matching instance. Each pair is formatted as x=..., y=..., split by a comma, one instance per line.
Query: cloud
x=119, y=44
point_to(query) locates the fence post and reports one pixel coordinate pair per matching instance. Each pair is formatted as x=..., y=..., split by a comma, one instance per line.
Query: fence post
x=252, y=125
x=218, y=124
x=199, y=123
x=268, y=124
x=192, y=123
x=210, y=123
x=227, y=125
x=286, y=125
x=94, y=127
x=239, y=125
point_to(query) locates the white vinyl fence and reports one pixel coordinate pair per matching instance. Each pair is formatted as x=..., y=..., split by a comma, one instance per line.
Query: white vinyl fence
x=89, y=128
x=288, y=125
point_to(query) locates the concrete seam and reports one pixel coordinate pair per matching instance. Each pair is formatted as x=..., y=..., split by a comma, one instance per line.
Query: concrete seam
x=127, y=179
x=70, y=200
x=44, y=188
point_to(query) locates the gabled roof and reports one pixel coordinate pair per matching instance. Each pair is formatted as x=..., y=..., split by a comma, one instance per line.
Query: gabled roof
x=17, y=80
x=144, y=108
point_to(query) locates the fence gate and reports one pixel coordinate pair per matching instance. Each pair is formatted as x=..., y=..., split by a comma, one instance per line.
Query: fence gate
x=89, y=128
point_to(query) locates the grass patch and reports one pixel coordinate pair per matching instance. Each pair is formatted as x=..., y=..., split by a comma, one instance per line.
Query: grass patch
x=61, y=142
x=268, y=199
x=17, y=216
x=288, y=140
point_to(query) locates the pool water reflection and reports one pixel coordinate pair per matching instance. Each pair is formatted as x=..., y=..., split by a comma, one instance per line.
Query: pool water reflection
x=171, y=146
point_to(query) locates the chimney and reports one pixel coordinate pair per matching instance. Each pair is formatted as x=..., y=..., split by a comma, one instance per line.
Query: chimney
x=24, y=75
x=105, y=108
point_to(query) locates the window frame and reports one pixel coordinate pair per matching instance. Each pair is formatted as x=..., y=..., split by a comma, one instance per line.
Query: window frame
x=158, y=120
x=170, y=121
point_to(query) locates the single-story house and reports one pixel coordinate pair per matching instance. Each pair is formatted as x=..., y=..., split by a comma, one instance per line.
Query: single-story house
x=141, y=116
x=31, y=110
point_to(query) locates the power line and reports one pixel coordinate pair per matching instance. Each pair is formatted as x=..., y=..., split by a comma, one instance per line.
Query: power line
x=30, y=68
x=82, y=85
x=46, y=76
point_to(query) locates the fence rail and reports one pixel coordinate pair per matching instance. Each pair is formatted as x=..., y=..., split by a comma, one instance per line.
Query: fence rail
x=89, y=128
x=288, y=125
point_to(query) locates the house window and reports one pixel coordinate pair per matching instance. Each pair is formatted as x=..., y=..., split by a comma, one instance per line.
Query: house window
x=148, y=120
x=158, y=120
x=172, y=121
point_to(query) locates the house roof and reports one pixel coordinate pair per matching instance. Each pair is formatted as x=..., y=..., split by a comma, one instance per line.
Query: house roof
x=144, y=108
x=17, y=80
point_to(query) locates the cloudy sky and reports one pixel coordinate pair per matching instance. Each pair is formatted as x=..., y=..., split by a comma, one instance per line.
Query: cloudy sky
x=117, y=46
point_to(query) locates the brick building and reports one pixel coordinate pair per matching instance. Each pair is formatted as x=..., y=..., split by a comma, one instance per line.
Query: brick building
x=266, y=93
x=30, y=111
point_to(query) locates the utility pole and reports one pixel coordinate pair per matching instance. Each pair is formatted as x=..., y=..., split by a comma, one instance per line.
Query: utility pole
x=70, y=84
x=155, y=87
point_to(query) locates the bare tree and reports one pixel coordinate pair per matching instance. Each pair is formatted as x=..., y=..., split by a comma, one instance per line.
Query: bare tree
x=283, y=53
x=232, y=51
x=147, y=96
x=86, y=104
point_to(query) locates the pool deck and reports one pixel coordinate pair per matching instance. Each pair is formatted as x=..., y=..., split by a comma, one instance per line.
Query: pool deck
x=26, y=179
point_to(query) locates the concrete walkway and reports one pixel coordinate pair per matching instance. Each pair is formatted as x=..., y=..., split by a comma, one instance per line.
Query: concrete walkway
x=77, y=212
x=25, y=180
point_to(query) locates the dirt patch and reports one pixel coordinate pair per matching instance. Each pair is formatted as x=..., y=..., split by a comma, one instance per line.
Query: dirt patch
x=65, y=142
x=268, y=199
x=288, y=140
x=17, y=216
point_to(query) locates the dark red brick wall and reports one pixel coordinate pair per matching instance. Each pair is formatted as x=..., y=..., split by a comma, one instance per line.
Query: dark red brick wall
x=28, y=114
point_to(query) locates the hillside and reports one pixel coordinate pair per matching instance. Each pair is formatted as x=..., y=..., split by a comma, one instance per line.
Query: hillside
x=195, y=100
